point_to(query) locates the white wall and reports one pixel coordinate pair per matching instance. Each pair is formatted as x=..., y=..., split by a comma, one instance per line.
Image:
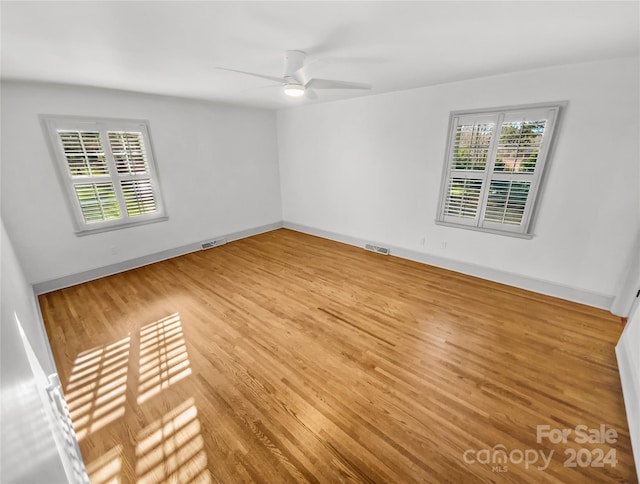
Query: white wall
x=29, y=452
x=218, y=170
x=371, y=168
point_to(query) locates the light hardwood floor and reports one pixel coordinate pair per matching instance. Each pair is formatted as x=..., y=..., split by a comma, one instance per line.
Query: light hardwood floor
x=286, y=358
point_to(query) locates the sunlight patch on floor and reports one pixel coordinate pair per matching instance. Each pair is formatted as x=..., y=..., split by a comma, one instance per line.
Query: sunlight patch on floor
x=172, y=448
x=106, y=469
x=96, y=390
x=163, y=356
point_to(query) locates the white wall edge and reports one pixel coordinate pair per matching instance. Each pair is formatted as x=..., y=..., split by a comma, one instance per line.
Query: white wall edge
x=631, y=392
x=623, y=303
x=582, y=296
x=97, y=273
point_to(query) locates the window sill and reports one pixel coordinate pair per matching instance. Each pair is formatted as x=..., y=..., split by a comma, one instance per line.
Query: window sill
x=485, y=230
x=109, y=228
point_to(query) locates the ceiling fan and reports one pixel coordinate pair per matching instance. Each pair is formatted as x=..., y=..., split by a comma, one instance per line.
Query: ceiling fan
x=295, y=80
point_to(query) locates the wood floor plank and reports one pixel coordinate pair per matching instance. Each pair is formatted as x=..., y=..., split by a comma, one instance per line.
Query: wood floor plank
x=289, y=358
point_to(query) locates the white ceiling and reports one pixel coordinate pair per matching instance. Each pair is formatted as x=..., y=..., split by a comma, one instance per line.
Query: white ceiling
x=173, y=48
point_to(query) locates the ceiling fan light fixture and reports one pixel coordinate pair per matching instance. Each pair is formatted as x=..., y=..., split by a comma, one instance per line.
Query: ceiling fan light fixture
x=294, y=90
x=296, y=82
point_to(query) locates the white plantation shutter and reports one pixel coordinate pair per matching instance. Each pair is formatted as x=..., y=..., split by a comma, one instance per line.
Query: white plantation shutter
x=471, y=145
x=468, y=161
x=494, y=163
x=97, y=201
x=128, y=152
x=463, y=195
x=138, y=196
x=84, y=153
x=132, y=164
x=506, y=201
x=108, y=171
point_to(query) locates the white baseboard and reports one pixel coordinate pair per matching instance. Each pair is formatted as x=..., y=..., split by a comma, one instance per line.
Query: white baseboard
x=631, y=392
x=73, y=279
x=602, y=301
x=582, y=296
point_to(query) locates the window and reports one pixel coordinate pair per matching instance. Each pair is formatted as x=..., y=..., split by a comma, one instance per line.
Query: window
x=107, y=170
x=493, y=167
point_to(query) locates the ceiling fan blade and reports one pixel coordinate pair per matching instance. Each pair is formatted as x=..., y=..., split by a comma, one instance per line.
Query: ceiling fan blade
x=257, y=88
x=301, y=75
x=312, y=94
x=330, y=84
x=271, y=78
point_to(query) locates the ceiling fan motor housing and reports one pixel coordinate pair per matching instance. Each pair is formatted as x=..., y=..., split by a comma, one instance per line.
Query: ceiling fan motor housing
x=296, y=82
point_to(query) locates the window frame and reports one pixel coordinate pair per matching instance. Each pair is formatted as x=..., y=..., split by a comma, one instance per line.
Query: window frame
x=52, y=123
x=536, y=178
